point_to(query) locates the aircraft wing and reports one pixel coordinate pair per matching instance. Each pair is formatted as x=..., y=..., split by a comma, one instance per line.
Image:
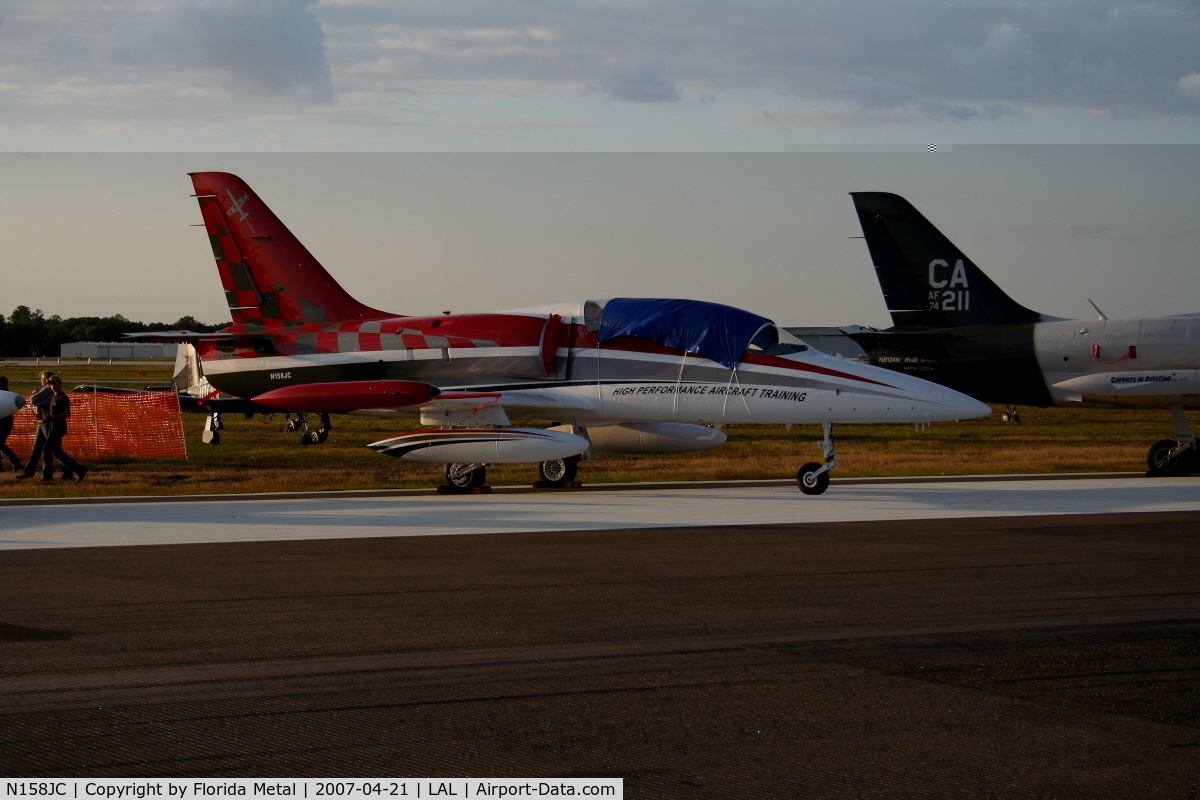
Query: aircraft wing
x=512, y=401
x=487, y=408
x=520, y=404
x=387, y=398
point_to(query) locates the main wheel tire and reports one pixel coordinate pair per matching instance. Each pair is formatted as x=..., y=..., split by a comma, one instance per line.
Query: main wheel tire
x=1159, y=460
x=559, y=471
x=471, y=480
x=320, y=436
x=810, y=482
x=305, y=439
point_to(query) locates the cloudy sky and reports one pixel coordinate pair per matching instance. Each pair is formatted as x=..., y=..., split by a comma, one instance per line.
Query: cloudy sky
x=420, y=233
x=618, y=75
x=467, y=155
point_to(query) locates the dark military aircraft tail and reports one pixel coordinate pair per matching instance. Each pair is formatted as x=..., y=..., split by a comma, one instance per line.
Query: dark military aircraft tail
x=269, y=277
x=926, y=280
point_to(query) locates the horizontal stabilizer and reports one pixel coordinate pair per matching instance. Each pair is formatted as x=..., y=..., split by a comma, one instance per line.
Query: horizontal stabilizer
x=186, y=337
x=187, y=402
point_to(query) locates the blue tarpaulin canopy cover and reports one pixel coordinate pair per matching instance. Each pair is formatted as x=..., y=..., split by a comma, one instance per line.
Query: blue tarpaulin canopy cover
x=715, y=331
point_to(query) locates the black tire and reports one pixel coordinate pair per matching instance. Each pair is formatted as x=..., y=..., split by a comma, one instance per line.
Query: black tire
x=472, y=480
x=292, y=426
x=560, y=471
x=811, y=483
x=1158, y=459
x=320, y=436
x=305, y=440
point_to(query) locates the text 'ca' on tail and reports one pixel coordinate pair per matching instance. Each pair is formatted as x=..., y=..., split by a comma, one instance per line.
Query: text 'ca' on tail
x=926, y=280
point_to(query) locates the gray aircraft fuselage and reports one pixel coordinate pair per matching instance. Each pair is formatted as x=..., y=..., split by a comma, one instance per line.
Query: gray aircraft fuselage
x=1027, y=363
x=953, y=325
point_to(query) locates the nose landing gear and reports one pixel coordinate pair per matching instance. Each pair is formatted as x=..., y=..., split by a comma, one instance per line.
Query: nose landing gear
x=813, y=478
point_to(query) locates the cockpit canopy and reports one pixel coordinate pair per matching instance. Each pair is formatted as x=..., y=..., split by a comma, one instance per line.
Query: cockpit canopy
x=718, y=332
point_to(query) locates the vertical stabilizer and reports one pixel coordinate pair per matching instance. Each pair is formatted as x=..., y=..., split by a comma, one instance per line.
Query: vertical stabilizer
x=926, y=280
x=269, y=277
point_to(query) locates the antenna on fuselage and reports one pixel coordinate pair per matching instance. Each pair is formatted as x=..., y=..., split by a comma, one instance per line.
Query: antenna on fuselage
x=1099, y=314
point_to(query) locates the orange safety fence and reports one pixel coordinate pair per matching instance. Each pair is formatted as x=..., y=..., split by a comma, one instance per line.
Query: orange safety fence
x=142, y=425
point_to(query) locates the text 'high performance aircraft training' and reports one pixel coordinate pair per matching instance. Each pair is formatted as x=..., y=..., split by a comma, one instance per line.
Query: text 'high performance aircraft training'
x=627, y=375
x=953, y=325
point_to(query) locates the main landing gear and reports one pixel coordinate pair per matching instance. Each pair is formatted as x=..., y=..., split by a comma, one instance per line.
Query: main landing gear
x=309, y=436
x=465, y=477
x=555, y=474
x=558, y=473
x=1169, y=457
x=813, y=478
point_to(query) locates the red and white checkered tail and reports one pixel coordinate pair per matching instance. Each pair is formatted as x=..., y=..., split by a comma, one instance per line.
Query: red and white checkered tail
x=269, y=277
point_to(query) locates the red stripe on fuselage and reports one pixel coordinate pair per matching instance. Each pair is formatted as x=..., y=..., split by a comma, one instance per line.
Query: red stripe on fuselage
x=630, y=344
x=784, y=363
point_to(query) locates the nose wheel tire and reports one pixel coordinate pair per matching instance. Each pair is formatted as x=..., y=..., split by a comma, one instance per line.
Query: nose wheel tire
x=466, y=481
x=559, y=471
x=1159, y=459
x=809, y=481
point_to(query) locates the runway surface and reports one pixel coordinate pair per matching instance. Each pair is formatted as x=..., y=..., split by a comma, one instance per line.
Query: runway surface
x=209, y=520
x=993, y=640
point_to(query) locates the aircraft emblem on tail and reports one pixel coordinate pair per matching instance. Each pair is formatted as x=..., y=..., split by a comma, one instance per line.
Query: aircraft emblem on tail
x=236, y=204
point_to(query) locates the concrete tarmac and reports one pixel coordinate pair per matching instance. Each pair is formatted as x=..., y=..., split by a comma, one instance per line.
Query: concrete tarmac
x=965, y=650
x=208, y=520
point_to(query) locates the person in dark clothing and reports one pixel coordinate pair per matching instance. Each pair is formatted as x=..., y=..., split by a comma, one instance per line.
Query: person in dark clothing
x=40, y=400
x=6, y=426
x=60, y=410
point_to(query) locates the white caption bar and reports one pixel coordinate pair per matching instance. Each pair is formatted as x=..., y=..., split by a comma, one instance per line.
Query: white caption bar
x=374, y=788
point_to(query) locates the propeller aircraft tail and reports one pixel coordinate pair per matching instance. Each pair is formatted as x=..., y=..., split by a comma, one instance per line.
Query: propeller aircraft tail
x=927, y=282
x=269, y=277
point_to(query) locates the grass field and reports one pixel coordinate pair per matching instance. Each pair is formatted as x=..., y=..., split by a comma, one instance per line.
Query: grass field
x=256, y=456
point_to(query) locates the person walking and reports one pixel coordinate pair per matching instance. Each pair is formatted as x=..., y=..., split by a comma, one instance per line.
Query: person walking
x=6, y=426
x=60, y=410
x=40, y=400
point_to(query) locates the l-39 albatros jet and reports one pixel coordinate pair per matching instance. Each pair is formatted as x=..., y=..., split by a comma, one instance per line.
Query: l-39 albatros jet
x=953, y=325
x=627, y=375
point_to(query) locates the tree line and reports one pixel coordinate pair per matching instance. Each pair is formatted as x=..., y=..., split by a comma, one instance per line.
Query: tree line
x=32, y=333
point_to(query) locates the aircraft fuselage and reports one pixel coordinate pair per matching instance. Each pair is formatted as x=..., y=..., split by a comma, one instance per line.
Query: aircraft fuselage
x=1027, y=363
x=623, y=380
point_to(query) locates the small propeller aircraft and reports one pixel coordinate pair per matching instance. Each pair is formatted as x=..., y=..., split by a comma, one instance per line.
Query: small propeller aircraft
x=626, y=375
